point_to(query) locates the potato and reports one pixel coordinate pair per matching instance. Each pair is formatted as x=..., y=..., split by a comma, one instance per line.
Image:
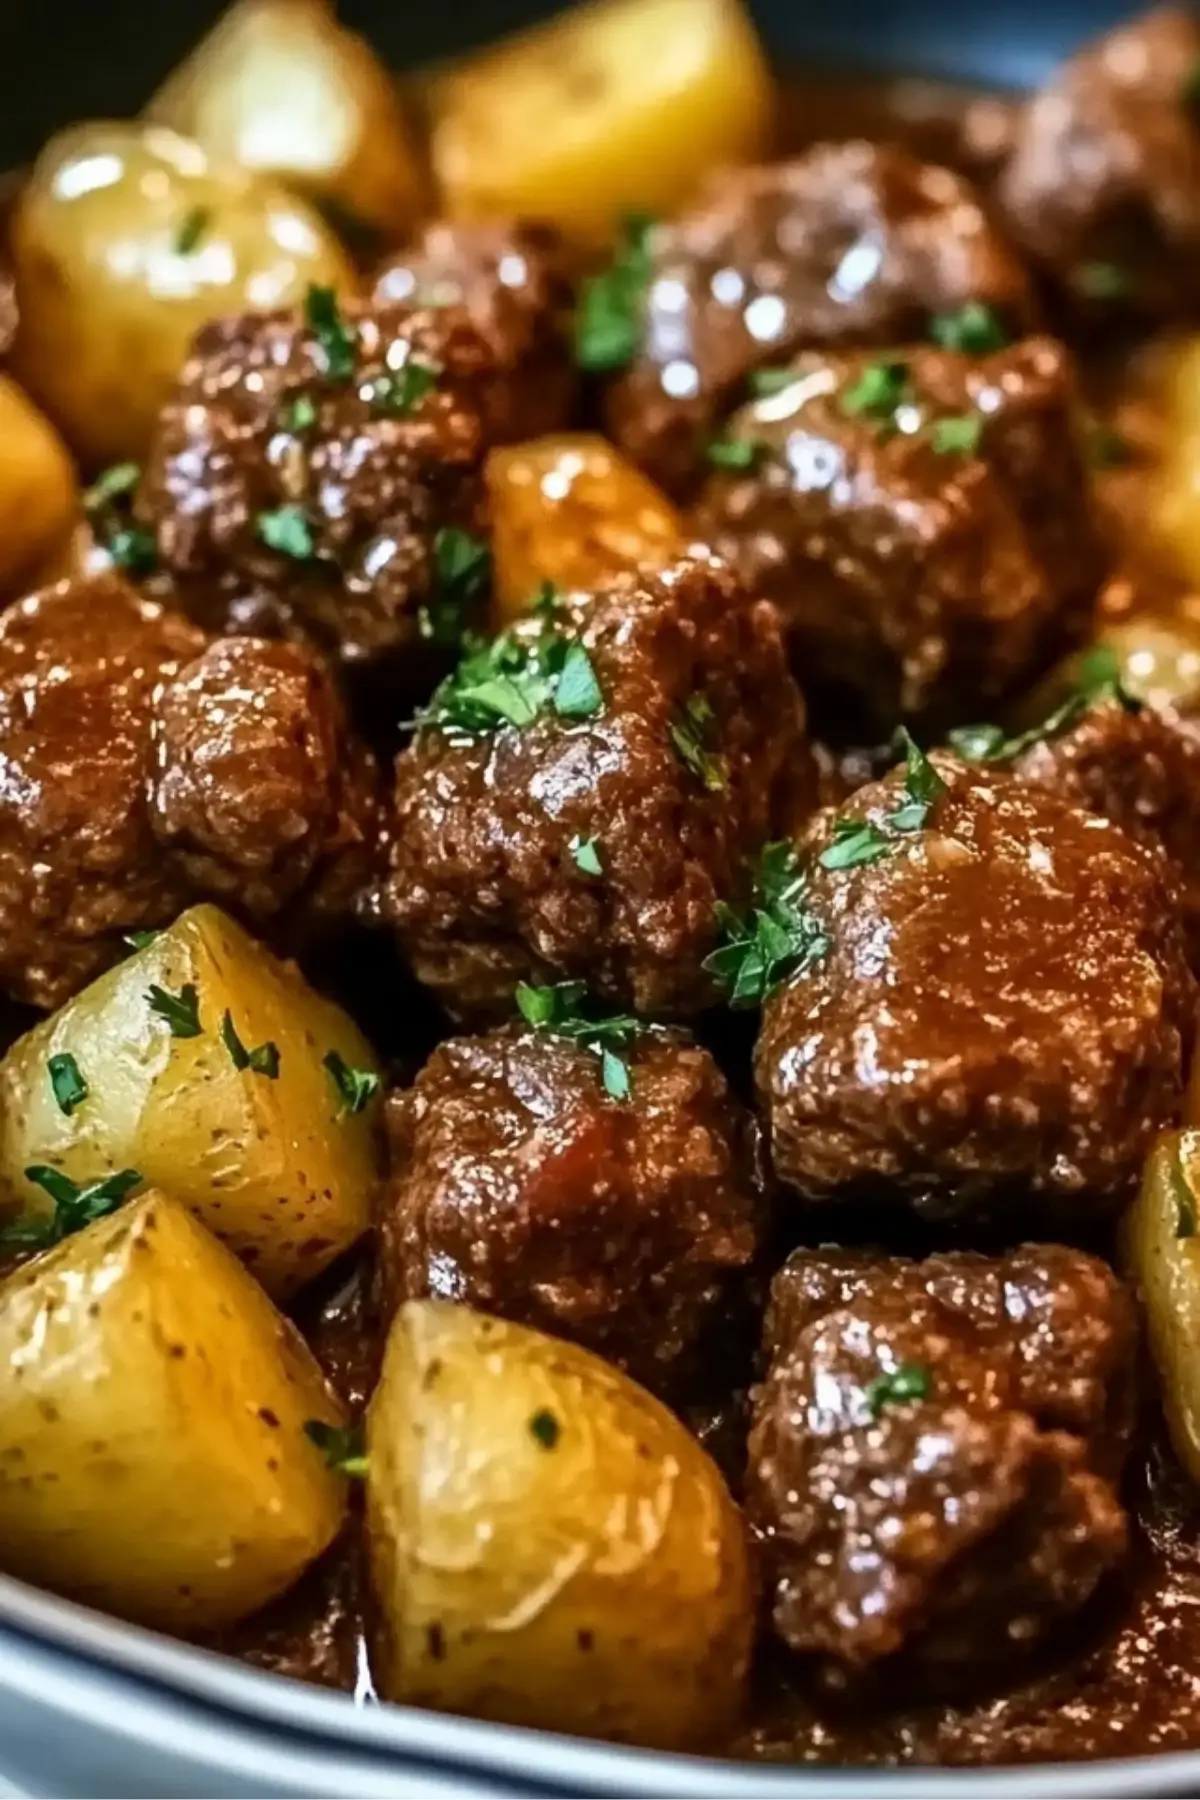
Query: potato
x=1161, y=1249
x=39, y=493
x=572, y=511
x=277, y=1168
x=153, y=1459
x=548, y=1546
x=125, y=240
x=616, y=105
x=281, y=88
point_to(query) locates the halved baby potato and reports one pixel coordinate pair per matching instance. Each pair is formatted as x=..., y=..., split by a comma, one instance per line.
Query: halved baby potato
x=548, y=1545
x=281, y=88
x=153, y=1456
x=281, y=1167
x=571, y=510
x=617, y=105
x=1161, y=1250
x=39, y=492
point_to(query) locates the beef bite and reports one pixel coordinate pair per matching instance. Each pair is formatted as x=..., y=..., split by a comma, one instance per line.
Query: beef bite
x=143, y=770
x=849, y=243
x=923, y=521
x=1101, y=184
x=1001, y=1012
x=514, y=277
x=629, y=1223
x=320, y=476
x=581, y=797
x=935, y=1455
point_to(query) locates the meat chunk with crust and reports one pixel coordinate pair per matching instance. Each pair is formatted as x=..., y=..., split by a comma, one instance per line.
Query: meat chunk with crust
x=594, y=839
x=519, y=1186
x=922, y=520
x=851, y=243
x=514, y=276
x=142, y=770
x=1002, y=1012
x=1102, y=180
x=935, y=1455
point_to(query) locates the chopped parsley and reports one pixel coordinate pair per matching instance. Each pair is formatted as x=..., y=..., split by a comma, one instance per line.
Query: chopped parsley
x=287, y=529
x=335, y=338
x=879, y=390
x=133, y=550
x=585, y=853
x=608, y=325
x=355, y=1088
x=562, y=1011
x=74, y=1206
x=138, y=940
x=735, y=453
x=1098, y=678
x=69, y=1087
x=775, y=939
x=545, y=1428
x=300, y=412
x=922, y=787
x=957, y=436
x=116, y=483
x=522, y=674
x=577, y=695
x=400, y=391
x=262, y=1060
x=462, y=564
x=343, y=1446
x=691, y=738
x=855, y=842
x=907, y=1381
x=193, y=229
x=108, y=504
x=974, y=329
x=1103, y=281
x=858, y=841
x=766, y=382
x=181, y=1010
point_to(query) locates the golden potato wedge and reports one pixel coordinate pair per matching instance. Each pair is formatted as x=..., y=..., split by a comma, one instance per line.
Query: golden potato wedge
x=548, y=1545
x=279, y=1168
x=570, y=510
x=617, y=105
x=125, y=240
x=39, y=492
x=281, y=88
x=153, y=1458
x=1161, y=1250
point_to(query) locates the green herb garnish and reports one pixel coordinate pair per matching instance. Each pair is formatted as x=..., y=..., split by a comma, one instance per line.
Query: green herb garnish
x=343, y=1446
x=855, y=843
x=108, y=502
x=528, y=670
x=74, y=1206
x=545, y=1428
x=908, y=1381
x=608, y=326
x=70, y=1089
x=335, y=339
x=562, y=1010
x=974, y=329
x=133, y=550
x=193, y=228
x=300, y=412
x=401, y=391
x=922, y=787
x=691, y=734
x=735, y=453
x=262, y=1060
x=585, y=853
x=957, y=436
x=777, y=938
x=355, y=1088
x=461, y=564
x=288, y=530
x=138, y=940
x=116, y=483
x=879, y=390
x=766, y=382
x=577, y=692
x=1097, y=678
x=181, y=1010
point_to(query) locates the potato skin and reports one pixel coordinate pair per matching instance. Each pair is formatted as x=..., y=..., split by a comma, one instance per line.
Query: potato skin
x=548, y=1545
x=152, y=1407
x=108, y=300
x=39, y=493
x=1166, y=1267
x=271, y=1166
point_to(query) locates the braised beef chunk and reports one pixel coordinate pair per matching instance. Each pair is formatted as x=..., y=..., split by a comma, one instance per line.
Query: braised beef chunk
x=922, y=519
x=515, y=279
x=315, y=475
x=581, y=798
x=935, y=1453
x=1001, y=1012
x=521, y=1186
x=849, y=243
x=142, y=771
x=1102, y=181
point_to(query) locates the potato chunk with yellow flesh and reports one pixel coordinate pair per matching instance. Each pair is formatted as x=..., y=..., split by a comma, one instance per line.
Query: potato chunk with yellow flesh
x=1161, y=1244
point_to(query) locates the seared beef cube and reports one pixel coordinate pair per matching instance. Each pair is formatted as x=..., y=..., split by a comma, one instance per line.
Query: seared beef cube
x=1102, y=182
x=142, y=772
x=587, y=825
x=1002, y=1012
x=935, y=1455
x=520, y=1186
x=922, y=521
x=514, y=278
x=315, y=475
x=850, y=243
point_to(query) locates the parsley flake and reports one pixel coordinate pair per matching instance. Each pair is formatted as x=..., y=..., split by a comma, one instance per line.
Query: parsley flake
x=138, y=940
x=1097, y=678
x=343, y=1447
x=922, y=787
x=777, y=938
x=300, y=412
x=74, y=1206
x=400, y=391
x=116, y=483
x=907, y=1381
x=545, y=1428
x=461, y=567
x=735, y=453
x=288, y=530
x=974, y=329
x=879, y=390
x=691, y=732
x=585, y=853
x=855, y=842
x=561, y=1010
x=335, y=339
x=608, y=326
x=181, y=1010
x=355, y=1088
x=108, y=503
x=192, y=230
x=69, y=1087
x=528, y=670
x=766, y=382
x=577, y=692
x=133, y=550
x=957, y=436
x=262, y=1060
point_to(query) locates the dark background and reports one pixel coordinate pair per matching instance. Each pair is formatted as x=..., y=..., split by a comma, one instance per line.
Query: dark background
x=66, y=59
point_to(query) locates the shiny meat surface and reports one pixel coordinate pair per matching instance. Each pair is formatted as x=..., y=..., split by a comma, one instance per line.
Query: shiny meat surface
x=849, y=243
x=934, y=1456
x=1002, y=1015
x=518, y=1186
x=485, y=888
